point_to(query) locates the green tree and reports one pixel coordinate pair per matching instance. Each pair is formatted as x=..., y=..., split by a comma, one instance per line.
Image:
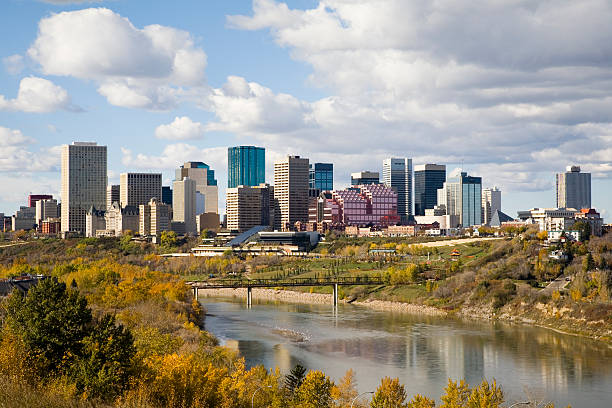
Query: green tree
x=294, y=379
x=52, y=321
x=315, y=391
x=588, y=263
x=106, y=362
x=168, y=238
x=389, y=394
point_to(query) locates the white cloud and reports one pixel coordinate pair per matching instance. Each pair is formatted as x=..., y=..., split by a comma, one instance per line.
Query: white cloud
x=182, y=128
x=38, y=95
x=16, y=156
x=13, y=64
x=136, y=68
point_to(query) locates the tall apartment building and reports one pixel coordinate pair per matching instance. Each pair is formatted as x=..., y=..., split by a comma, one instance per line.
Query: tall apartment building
x=491, y=202
x=397, y=174
x=428, y=178
x=184, y=203
x=462, y=196
x=138, y=188
x=206, y=184
x=246, y=166
x=321, y=176
x=290, y=192
x=113, y=194
x=83, y=183
x=573, y=189
x=249, y=207
x=154, y=218
x=365, y=177
x=46, y=209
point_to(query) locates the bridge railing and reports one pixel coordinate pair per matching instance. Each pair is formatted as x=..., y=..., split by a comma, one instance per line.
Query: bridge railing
x=343, y=280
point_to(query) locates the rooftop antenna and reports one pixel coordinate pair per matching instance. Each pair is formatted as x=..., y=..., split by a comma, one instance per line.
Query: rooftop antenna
x=462, y=165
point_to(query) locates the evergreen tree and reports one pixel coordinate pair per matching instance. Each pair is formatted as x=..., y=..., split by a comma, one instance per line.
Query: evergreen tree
x=294, y=379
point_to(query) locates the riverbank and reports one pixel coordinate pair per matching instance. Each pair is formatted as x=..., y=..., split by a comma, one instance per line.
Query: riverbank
x=321, y=298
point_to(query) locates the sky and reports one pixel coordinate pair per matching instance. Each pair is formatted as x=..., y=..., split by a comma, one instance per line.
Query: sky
x=509, y=90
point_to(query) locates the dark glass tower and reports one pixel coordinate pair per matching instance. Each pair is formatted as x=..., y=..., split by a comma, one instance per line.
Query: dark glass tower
x=246, y=166
x=428, y=178
x=321, y=176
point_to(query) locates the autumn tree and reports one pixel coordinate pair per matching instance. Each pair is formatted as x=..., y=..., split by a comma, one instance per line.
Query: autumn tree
x=389, y=394
x=419, y=401
x=315, y=391
x=486, y=395
x=345, y=392
x=456, y=395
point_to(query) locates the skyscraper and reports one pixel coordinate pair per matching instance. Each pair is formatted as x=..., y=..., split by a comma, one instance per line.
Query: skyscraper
x=491, y=202
x=113, y=194
x=249, y=207
x=397, y=174
x=206, y=184
x=573, y=189
x=290, y=191
x=428, y=178
x=462, y=196
x=83, y=183
x=139, y=188
x=246, y=166
x=184, y=203
x=166, y=197
x=321, y=176
x=365, y=177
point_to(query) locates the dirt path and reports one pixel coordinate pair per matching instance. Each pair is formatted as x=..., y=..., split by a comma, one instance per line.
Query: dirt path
x=456, y=241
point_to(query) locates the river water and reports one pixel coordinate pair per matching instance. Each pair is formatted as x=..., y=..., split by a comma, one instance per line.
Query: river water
x=422, y=351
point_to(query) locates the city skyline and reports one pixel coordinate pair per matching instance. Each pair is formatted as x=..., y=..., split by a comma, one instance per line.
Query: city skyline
x=289, y=100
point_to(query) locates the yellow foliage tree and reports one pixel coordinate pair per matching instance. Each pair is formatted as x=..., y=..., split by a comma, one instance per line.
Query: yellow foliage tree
x=345, y=391
x=315, y=391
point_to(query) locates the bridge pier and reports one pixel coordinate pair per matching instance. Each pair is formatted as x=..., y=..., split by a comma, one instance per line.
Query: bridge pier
x=335, y=294
x=249, y=296
x=195, y=292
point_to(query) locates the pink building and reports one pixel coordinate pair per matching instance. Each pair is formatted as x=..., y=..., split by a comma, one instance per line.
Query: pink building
x=372, y=204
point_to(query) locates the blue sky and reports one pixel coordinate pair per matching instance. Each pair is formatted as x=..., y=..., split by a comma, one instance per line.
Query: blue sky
x=514, y=90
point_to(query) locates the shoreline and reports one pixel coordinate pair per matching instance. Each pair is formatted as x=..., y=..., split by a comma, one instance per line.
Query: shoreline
x=288, y=296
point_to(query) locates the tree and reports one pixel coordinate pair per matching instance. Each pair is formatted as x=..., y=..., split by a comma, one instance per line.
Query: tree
x=588, y=263
x=420, y=401
x=168, y=238
x=345, y=392
x=456, y=395
x=389, y=394
x=485, y=395
x=294, y=379
x=105, y=366
x=52, y=321
x=315, y=391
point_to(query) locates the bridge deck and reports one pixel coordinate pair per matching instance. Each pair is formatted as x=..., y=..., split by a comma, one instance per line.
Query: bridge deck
x=271, y=283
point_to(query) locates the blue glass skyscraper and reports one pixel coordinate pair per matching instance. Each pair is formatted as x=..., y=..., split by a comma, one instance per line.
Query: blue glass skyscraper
x=321, y=176
x=246, y=166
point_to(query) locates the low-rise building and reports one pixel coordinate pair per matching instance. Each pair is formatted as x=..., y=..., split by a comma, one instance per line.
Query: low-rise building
x=51, y=226
x=94, y=221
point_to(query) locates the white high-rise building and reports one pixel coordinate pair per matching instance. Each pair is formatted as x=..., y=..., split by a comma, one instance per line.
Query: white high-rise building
x=83, y=183
x=573, y=189
x=46, y=209
x=154, y=218
x=397, y=174
x=206, y=184
x=139, y=188
x=491, y=202
x=462, y=196
x=291, y=185
x=184, y=203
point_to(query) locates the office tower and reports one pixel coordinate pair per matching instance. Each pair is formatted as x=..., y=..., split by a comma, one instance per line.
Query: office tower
x=184, y=203
x=428, y=178
x=113, y=194
x=138, y=188
x=46, y=209
x=462, y=196
x=154, y=218
x=573, y=189
x=397, y=174
x=83, y=183
x=24, y=219
x=373, y=204
x=491, y=202
x=290, y=192
x=246, y=166
x=249, y=207
x=166, y=197
x=321, y=176
x=206, y=183
x=33, y=198
x=365, y=177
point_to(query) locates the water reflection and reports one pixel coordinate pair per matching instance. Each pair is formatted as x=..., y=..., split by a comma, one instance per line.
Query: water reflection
x=422, y=351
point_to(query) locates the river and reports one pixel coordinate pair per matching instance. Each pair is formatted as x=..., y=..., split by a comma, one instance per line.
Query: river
x=422, y=351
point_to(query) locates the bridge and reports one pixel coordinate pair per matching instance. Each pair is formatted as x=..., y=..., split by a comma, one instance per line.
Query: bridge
x=334, y=282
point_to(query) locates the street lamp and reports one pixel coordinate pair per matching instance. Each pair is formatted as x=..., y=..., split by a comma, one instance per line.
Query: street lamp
x=363, y=393
x=253, y=397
